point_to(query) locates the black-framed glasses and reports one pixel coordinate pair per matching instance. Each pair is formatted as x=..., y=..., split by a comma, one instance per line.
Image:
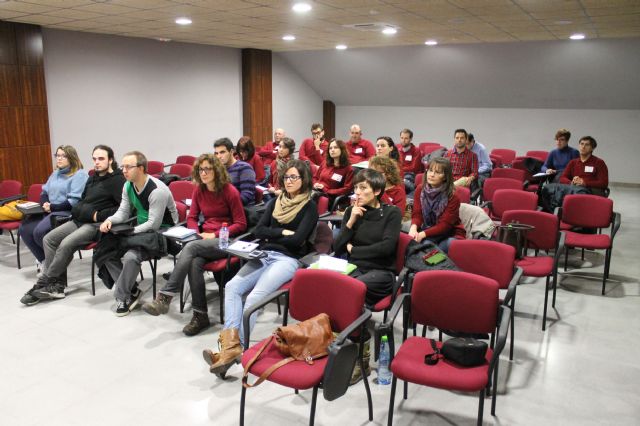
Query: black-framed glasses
x=61, y=156
x=292, y=178
x=205, y=170
x=128, y=167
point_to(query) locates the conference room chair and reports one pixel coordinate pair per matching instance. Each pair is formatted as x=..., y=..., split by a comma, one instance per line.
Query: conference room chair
x=509, y=173
x=155, y=168
x=491, y=185
x=540, y=155
x=181, y=190
x=531, y=184
x=186, y=159
x=504, y=200
x=507, y=155
x=496, y=161
x=33, y=194
x=182, y=170
x=10, y=190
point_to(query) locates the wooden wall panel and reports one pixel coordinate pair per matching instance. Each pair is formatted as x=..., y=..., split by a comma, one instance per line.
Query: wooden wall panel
x=256, y=95
x=29, y=45
x=11, y=127
x=9, y=85
x=39, y=171
x=329, y=119
x=8, y=54
x=35, y=125
x=32, y=85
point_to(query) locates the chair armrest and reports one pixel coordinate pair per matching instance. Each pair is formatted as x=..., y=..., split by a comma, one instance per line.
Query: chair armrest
x=398, y=282
x=558, y=212
x=168, y=165
x=560, y=247
x=617, y=220
x=475, y=195
x=260, y=304
x=525, y=184
x=12, y=198
x=351, y=328
x=503, y=328
x=386, y=328
x=486, y=204
x=511, y=290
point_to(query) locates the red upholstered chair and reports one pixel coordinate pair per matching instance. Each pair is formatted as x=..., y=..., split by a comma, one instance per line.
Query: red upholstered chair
x=464, y=194
x=9, y=190
x=181, y=190
x=507, y=155
x=510, y=199
x=322, y=204
x=428, y=147
x=509, y=173
x=545, y=236
x=540, y=155
x=519, y=163
x=182, y=170
x=448, y=300
x=155, y=168
x=419, y=178
x=259, y=195
x=490, y=259
x=590, y=211
x=496, y=161
x=401, y=272
x=33, y=194
x=310, y=293
x=491, y=185
x=186, y=159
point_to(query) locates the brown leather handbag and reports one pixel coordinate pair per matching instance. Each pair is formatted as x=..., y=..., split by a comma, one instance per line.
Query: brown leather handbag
x=305, y=341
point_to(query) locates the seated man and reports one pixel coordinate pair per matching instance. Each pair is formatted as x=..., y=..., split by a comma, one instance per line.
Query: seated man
x=484, y=161
x=558, y=158
x=269, y=150
x=151, y=202
x=463, y=161
x=359, y=149
x=100, y=199
x=587, y=170
x=314, y=149
x=242, y=175
x=410, y=160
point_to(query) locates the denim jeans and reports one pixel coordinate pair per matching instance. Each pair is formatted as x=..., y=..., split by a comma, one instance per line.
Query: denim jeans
x=255, y=280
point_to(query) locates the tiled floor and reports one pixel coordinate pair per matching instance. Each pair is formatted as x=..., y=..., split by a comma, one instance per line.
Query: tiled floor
x=73, y=362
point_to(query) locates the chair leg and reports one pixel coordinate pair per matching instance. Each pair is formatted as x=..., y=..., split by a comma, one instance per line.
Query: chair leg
x=424, y=331
x=13, y=239
x=555, y=287
x=582, y=254
x=512, y=325
x=279, y=309
x=481, y=407
x=546, y=299
x=242, y=401
x=495, y=389
x=394, y=381
x=80, y=254
x=405, y=393
x=314, y=397
x=566, y=257
x=18, y=249
x=154, y=267
x=605, y=274
x=93, y=276
x=221, y=294
x=365, y=380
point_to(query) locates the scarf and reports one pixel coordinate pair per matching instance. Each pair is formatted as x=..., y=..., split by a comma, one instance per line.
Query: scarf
x=281, y=166
x=434, y=201
x=287, y=208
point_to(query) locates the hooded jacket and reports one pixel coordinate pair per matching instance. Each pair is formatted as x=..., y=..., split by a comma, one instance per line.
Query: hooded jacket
x=101, y=194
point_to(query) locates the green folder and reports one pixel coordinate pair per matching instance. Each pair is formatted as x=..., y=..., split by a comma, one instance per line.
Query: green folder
x=350, y=268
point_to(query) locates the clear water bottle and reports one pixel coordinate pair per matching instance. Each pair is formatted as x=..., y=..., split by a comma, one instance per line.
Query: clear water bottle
x=223, y=237
x=384, y=374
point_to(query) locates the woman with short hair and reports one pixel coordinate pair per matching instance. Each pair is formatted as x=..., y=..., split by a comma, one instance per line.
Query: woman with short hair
x=247, y=153
x=394, y=192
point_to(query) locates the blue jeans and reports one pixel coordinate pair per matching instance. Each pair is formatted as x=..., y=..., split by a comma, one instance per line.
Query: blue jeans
x=255, y=280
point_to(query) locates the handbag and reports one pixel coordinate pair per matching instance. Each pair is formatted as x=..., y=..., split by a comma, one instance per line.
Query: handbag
x=464, y=351
x=305, y=341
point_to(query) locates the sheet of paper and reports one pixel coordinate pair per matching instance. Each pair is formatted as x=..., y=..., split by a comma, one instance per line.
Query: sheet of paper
x=243, y=246
x=332, y=263
x=179, y=232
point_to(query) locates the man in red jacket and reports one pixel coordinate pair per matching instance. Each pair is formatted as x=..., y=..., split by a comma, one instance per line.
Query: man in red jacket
x=359, y=149
x=410, y=160
x=270, y=149
x=587, y=170
x=313, y=149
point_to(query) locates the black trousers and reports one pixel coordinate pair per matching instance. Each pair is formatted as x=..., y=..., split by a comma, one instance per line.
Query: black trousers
x=379, y=283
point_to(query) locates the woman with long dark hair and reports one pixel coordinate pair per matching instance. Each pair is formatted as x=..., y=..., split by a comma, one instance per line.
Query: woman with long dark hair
x=335, y=175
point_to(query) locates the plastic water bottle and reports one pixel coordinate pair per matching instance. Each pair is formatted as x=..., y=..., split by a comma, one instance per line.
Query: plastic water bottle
x=223, y=237
x=384, y=375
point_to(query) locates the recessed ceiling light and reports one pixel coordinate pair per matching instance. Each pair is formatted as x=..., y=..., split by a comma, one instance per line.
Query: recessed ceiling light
x=301, y=7
x=389, y=31
x=289, y=37
x=577, y=36
x=431, y=42
x=183, y=21
x=162, y=39
x=341, y=47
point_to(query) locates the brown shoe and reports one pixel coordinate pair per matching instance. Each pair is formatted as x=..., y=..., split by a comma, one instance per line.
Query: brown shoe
x=230, y=352
x=160, y=305
x=198, y=323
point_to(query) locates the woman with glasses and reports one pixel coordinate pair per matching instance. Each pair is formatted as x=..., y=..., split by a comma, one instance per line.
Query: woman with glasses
x=285, y=230
x=219, y=202
x=61, y=192
x=335, y=175
x=247, y=153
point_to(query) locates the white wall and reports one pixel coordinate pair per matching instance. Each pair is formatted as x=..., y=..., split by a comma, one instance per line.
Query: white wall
x=521, y=129
x=163, y=99
x=295, y=104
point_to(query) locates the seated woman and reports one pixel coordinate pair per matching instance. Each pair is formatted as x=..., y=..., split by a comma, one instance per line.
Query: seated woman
x=218, y=201
x=369, y=236
x=247, y=153
x=394, y=192
x=335, y=175
x=285, y=229
x=386, y=148
x=278, y=166
x=61, y=192
x=436, y=207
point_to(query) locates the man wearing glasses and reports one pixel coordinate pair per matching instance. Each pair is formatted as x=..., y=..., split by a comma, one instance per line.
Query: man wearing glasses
x=150, y=201
x=100, y=199
x=313, y=149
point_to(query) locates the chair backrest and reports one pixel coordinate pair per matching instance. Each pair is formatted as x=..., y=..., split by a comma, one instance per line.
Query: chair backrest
x=496, y=161
x=186, y=159
x=587, y=211
x=403, y=242
x=507, y=155
x=513, y=199
x=33, y=194
x=322, y=204
x=455, y=300
x=544, y=236
x=314, y=291
x=510, y=173
x=259, y=195
x=540, y=155
x=9, y=188
x=490, y=259
x=491, y=185
x=464, y=194
x=181, y=189
x=428, y=147
x=182, y=170
x=155, y=167
x=182, y=211
x=419, y=178
x=324, y=238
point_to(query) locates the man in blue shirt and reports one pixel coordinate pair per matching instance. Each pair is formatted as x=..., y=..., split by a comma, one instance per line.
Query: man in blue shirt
x=484, y=162
x=560, y=157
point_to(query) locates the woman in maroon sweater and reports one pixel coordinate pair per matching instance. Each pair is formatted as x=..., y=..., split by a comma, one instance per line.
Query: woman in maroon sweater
x=394, y=193
x=335, y=175
x=278, y=166
x=219, y=202
x=436, y=207
x=247, y=153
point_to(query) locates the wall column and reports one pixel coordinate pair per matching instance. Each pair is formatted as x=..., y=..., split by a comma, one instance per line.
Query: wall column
x=329, y=119
x=257, y=114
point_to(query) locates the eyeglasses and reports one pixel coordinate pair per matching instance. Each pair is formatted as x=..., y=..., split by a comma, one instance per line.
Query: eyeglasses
x=316, y=133
x=205, y=170
x=292, y=178
x=128, y=167
x=61, y=156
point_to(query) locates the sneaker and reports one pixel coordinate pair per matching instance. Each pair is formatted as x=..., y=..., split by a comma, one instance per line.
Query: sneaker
x=28, y=298
x=122, y=308
x=135, y=297
x=53, y=290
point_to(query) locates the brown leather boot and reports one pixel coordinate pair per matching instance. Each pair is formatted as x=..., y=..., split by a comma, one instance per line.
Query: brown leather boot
x=199, y=321
x=230, y=352
x=160, y=305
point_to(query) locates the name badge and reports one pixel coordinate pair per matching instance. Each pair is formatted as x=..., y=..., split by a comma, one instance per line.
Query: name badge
x=588, y=169
x=336, y=177
x=321, y=151
x=358, y=151
x=408, y=157
x=390, y=199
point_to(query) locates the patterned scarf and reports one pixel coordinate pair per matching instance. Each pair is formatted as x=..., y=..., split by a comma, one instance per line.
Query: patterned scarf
x=287, y=208
x=434, y=201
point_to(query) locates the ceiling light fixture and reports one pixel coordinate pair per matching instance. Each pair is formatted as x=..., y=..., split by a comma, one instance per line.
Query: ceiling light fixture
x=183, y=21
x=288, y=37
x=577, y=36
x=301, y=7
x=431, y=42
x=163, y=39
x=341, y=47
x=389, y=31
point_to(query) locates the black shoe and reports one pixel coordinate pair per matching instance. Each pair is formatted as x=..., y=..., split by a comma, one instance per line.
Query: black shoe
x=54, y=290
x=122, y=308
x=29, y=299
x=135, y=297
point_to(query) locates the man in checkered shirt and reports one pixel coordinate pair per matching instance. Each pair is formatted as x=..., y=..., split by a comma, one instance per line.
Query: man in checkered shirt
x=463, y=161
